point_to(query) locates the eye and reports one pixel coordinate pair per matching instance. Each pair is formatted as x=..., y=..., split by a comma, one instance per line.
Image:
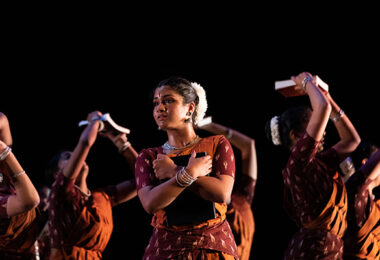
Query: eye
x=66, y=156
x=167, y=101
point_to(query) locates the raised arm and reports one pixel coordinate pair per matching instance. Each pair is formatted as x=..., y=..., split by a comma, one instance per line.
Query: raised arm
x=349, y=137
x=127, y=189
x=371, y=170
x=26, y=196
x=77, y=160
x=320, y=105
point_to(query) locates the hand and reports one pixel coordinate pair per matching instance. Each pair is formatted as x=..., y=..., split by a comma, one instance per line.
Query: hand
x=200, y=166
x=94, y=114
x=299, y=80
x=164, y=167
x=3, y=146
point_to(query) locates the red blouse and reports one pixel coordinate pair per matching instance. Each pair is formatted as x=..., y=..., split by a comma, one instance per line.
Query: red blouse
x=215, y=234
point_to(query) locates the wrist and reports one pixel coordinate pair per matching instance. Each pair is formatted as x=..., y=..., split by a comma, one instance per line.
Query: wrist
x=183, y=178
x=5, y=152
x=338, y=117
x=124, y=147
x=305, y=80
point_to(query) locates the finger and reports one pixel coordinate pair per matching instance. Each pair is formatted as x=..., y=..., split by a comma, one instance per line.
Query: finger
x=160, y=156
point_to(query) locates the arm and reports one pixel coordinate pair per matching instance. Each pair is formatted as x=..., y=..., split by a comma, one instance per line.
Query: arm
x=245, y=144
x=26, y=197
x=123, y=146
x=218, y=188
x=371, y=170
x=127, y=189
x=5, y=132
x=76, y=162
x=154, y=198
x=349, y=137
x=320, y=105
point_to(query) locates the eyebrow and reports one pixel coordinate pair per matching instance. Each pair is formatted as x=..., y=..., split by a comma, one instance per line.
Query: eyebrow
x=167, y=95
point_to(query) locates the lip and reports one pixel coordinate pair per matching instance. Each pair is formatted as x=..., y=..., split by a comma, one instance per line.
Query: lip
x=161, y=117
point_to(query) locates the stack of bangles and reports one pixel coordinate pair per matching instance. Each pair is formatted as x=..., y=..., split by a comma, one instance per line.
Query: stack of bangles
x=184, y=179
x=5, y=153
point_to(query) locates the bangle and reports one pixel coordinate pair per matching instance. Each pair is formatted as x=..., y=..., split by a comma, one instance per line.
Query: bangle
x=124, y=147
x=338, y=117
x=229, y=134
x=5, y=153
x=18, y=174
x=305, y=81
x=184, y=179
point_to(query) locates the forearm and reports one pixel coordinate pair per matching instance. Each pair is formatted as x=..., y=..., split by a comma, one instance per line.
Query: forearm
x=349, y=137
x=125, y=191
x=214, y=189
x=130, y=155
x=158, y=197
x=321, y=111
x=26, y=196
x=5, y=133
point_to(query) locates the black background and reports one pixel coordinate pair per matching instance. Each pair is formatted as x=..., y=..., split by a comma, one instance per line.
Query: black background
x=59, y=66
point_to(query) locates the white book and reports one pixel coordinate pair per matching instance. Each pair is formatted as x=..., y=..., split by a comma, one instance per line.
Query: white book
x=106, y=119
x=287, y=87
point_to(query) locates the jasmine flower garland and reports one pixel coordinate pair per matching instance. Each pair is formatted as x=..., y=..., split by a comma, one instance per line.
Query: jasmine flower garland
x=202, y=105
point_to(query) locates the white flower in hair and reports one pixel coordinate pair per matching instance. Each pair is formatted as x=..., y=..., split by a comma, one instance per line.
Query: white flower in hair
x=202, y=105
x=275, y=131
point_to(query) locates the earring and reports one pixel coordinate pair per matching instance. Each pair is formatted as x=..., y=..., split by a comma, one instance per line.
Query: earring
x=188, y=119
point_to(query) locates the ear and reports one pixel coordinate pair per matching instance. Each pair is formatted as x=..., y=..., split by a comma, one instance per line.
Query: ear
x=294, y=136
x=191, y=107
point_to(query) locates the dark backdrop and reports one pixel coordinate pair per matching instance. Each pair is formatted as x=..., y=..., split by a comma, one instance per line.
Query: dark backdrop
x=54, y=75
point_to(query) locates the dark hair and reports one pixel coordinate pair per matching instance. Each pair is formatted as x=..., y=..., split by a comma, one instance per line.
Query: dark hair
x=183, y=87
x=52, y=167
x=293, y=118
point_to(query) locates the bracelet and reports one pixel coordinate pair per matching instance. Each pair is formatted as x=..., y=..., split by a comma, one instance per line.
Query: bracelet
x=230, y=133
x=338, y=117
x=305, y=81
x=18, y=174
x=124, y=147
x=5, y=153
x=183, y=178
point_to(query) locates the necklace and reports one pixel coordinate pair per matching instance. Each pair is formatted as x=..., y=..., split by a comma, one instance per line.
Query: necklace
x=167, y=146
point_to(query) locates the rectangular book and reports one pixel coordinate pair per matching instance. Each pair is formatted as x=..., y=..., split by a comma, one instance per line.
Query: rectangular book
x=287, y=87
x=188, y=207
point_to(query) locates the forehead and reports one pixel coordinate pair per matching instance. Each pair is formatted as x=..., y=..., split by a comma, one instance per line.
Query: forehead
x=164, y=91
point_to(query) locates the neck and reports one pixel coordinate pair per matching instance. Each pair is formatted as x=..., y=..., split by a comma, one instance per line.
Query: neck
x=180, y=138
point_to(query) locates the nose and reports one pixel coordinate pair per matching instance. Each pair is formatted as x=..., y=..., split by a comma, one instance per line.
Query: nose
x=161, y=107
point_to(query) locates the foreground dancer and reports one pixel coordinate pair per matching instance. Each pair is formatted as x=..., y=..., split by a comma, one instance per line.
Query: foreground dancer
x=315, y=196
x=80, y=220
x=178, y=106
